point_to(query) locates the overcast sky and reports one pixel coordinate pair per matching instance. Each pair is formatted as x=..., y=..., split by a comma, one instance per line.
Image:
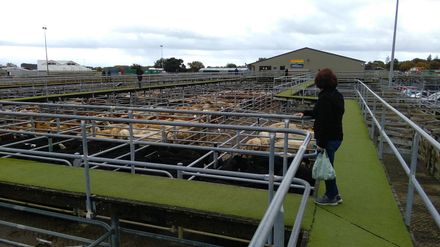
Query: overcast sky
x=104, y=33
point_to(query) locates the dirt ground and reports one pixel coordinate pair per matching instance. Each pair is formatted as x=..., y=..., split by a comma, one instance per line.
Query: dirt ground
x=423, y=228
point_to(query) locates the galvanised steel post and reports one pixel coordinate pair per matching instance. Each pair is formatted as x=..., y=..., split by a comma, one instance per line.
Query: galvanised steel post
x=179, y=172
x=364, y=111
x=130, y=130
x=286, y=145
x=358, y=88
x=279, y=228
x=93, y=123
x=89, y=212
x=271, y=164
x=50, y=144
x=215, y=157
x=163, y=134
x=115, y=237
x=363, y=97
x=372, y=122
x=390, y=76
x=237, y=142
x=382, y=127
x=58, y=125
x=271, y=174
x=410, y=194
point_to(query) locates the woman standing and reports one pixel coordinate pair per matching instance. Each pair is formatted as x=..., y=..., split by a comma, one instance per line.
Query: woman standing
x=328, y=112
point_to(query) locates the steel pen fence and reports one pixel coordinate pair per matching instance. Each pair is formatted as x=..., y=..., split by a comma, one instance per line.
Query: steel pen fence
x=55, y=126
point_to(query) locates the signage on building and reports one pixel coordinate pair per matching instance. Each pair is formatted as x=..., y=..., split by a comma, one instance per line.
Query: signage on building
x=297, y=63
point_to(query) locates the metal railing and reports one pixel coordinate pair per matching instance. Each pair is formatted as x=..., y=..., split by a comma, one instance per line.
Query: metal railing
x=274, y=216
x=378, y=118
x=61, y=84
x=83, y=133
x=109, y=230
x=47, y=85
x=288, y=82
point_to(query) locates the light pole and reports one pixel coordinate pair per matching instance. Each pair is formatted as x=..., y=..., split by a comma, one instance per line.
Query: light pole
x=161, y=55
x=45, y=48
x=390, y=76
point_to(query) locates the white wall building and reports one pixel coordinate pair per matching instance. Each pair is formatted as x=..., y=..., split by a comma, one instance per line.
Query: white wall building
x=17, y=71
x=61, y=66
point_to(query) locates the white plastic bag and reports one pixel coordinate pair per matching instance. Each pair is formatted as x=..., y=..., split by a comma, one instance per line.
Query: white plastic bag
x=323, y=169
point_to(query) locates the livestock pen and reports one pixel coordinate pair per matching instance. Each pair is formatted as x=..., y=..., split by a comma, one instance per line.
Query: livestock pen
x=163, y=160
x=197, y=133
x=79, y=139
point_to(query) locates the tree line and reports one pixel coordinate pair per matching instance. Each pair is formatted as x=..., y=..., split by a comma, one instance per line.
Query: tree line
x=170, y=65
x=177, y=65
x=424, y=64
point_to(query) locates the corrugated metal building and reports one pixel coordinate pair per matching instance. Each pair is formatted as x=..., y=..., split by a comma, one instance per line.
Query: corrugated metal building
x=61, y=66
x=308, y=60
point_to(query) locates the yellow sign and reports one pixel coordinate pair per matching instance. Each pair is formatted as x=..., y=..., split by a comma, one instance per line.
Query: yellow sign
x=297, y=61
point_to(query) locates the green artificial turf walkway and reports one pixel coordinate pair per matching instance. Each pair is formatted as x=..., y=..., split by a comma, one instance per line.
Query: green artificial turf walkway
x=194, y=195
x=369, y=215
x=291, y=92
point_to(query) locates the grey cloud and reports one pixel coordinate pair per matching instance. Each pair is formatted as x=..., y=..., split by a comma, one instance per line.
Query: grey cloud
x=409, y=42
x=143, y=37
x=163, y=32
x=305, y=27
x=290, y=35
x=353, y=40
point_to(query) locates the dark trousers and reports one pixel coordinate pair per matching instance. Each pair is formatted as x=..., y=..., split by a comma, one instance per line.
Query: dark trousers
x=331, y=189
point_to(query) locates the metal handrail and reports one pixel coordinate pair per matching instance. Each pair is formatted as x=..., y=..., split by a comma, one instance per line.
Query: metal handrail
x=417, y=128
x=419, y=132
x=108, y=229
x=275, y=208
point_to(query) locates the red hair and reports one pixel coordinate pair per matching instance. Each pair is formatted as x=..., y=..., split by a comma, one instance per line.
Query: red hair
x=326, y=79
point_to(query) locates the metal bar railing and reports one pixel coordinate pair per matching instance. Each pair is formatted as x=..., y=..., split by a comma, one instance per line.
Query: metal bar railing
x=13, y=243
x=362, y=91
x=88, y=122
x=265, y=227
x=40, y=85
x=157, y=110
x=26, y=209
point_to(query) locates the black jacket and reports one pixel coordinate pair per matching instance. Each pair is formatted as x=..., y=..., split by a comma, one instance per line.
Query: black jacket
x=328, y=112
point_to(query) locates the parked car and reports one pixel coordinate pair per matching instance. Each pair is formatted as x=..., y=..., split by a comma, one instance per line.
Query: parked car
x=412, y=93
x=434, y=98
x=422, y=94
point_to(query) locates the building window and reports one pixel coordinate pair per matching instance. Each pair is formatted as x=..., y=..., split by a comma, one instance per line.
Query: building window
x=265, y=68
x=282, y=67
